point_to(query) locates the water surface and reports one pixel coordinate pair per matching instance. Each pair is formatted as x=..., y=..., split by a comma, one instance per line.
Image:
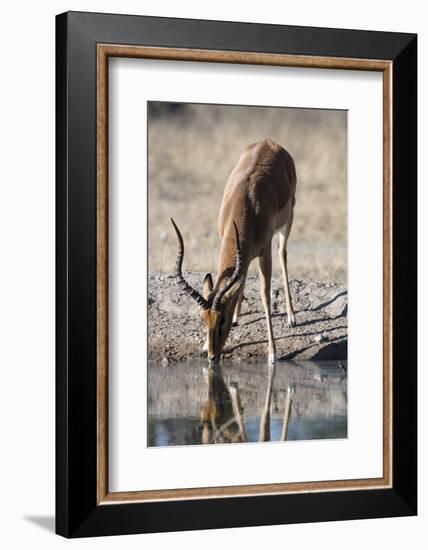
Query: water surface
x=190, y=403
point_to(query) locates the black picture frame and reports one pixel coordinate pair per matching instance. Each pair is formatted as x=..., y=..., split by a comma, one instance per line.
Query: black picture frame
x=77, y=511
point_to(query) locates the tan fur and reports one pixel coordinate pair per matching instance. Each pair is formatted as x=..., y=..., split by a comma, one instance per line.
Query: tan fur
x=259, y=197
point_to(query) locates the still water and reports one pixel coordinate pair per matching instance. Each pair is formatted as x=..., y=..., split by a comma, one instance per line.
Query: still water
x=190, y=403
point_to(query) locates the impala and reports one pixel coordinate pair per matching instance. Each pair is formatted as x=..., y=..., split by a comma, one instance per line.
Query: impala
x=258, y=201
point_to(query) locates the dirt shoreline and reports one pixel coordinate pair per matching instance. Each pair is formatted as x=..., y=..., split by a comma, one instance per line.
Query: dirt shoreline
x=175, y=330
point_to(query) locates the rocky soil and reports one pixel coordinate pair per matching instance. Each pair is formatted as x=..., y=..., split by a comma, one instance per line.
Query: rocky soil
x=176, y=331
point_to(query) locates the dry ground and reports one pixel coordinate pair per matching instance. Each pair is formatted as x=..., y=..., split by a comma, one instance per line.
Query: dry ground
x=192, y=150
x=176, y=331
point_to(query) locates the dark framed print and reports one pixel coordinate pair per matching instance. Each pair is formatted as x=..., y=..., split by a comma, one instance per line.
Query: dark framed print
x=236, y=274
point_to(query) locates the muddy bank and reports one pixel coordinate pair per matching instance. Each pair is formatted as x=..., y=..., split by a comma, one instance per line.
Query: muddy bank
x=175, y=329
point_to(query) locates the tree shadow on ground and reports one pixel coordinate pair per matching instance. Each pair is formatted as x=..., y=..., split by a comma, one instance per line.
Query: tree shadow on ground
x=335, y=350
x=328, y=303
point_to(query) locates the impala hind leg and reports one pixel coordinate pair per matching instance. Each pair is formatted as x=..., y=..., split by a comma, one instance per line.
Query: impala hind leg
x=265, y=273
x=283, y=237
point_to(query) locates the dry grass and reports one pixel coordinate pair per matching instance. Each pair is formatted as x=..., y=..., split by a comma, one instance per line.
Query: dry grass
x=192, y=150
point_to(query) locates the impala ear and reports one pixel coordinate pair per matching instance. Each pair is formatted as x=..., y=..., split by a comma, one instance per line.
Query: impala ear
x=208, y=285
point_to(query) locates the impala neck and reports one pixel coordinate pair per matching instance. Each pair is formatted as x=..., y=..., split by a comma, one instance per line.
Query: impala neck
x=227, y=255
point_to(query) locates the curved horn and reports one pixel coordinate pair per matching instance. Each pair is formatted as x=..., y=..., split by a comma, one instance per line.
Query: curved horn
x=235, y=275
x=179, y=277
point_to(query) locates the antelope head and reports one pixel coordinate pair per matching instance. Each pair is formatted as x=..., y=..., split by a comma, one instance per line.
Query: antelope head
x=216, y=305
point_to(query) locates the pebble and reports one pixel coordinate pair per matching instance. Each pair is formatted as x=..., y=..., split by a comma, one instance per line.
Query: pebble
x=165, y=361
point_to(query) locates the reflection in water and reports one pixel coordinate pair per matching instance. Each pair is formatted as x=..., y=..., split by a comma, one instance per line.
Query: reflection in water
x=221, y=412
x=191, y=403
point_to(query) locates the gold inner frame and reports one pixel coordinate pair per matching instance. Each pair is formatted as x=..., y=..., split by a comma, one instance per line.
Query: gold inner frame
x=104, y=51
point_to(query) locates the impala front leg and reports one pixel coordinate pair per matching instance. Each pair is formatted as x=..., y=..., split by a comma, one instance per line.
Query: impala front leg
x=205, y=348
x=238, y=305
x=265, y=273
